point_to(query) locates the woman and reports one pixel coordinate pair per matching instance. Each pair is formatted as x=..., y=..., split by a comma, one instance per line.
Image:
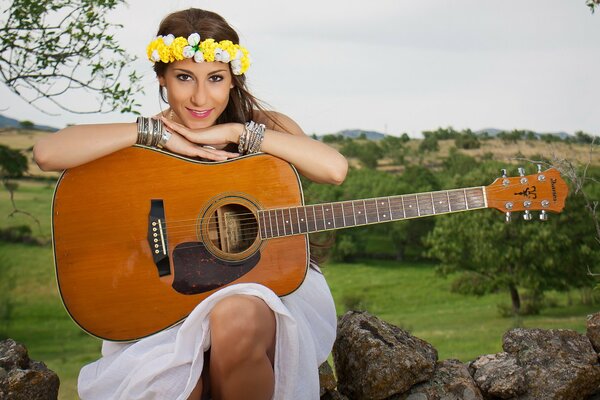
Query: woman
x=243, y=342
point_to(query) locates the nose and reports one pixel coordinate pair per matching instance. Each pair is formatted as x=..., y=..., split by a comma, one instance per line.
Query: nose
x=199, y=96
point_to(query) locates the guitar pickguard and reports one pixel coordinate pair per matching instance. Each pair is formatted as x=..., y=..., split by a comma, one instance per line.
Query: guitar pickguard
x=198, y=271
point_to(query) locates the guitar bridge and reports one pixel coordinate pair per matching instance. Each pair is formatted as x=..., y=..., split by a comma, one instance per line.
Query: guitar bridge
x=157, y=237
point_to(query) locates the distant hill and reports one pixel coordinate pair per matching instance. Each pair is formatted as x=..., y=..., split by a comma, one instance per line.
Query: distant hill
x=356, y=133
x=6, y=122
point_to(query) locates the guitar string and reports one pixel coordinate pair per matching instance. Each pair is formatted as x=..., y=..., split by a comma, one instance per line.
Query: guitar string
x=251, y=215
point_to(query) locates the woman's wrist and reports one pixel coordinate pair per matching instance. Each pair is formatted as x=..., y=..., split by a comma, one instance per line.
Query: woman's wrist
x=236, y=132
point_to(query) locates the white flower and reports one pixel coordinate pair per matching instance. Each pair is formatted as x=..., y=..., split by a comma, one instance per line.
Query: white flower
x=198, y=56
x=154, y=56
x=238, y=55
x=236, y=67
x=168, y=39
x=221, y=55
x=188, y=52
x=194, y=39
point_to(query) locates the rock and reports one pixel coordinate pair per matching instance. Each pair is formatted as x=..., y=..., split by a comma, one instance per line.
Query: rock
x=22, y=378
x=498, y=375
x=13, y=355
x=451, y=381
x=326, y=378
x=593, y=330
x=333, y=395
x=557, y=364
x=375, y=360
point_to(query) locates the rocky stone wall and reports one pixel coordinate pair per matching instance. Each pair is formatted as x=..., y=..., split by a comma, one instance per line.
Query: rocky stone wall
x=375, y=360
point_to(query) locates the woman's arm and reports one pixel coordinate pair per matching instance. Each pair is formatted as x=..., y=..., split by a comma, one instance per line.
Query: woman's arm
x=283, y=138
x=79, y=144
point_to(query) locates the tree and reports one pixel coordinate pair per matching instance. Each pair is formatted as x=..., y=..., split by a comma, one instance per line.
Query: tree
x=489, y=254
x=49, y=48
x=26, y=124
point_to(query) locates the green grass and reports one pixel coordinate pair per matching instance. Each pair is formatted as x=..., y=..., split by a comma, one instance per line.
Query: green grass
x=409, y=295
x=415, y=298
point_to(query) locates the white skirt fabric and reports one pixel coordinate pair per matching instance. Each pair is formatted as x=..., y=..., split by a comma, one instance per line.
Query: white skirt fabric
x=168, y=365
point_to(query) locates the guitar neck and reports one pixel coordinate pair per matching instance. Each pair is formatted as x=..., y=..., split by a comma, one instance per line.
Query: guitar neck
x=280, y=222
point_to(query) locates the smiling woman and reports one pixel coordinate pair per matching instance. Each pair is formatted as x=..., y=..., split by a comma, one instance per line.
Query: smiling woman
x=243, y=341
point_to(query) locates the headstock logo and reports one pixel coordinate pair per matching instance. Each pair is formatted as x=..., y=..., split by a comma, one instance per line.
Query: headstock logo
x=529, y=193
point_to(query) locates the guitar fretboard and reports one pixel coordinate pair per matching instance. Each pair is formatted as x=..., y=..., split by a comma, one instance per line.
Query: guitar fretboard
x=280, y=222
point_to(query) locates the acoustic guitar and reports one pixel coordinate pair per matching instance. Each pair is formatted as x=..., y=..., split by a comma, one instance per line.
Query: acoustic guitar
x=142, y=236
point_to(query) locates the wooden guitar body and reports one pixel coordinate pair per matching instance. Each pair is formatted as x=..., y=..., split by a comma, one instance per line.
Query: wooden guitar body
x=139, y=237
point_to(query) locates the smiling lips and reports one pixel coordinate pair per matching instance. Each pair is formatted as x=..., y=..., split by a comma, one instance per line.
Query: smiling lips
x=200, y=114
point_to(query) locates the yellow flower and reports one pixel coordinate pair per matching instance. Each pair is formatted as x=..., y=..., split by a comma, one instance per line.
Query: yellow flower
x=177, y=48
x=208, y=47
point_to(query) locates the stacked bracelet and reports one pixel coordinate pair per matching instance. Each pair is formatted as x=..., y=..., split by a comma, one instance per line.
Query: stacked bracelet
x=251, y=138
x=151, y=132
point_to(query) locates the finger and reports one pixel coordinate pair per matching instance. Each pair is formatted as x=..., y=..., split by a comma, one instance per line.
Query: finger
x=219, y=153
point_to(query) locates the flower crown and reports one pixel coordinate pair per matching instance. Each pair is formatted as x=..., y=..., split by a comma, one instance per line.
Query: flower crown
x=170, y=48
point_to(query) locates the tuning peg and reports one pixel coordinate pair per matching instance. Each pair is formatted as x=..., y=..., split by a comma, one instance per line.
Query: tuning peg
x=521, y=171
x=503, y=172
x=507, y=217
x=527, y=215
x=539, y=167
x=543, y=216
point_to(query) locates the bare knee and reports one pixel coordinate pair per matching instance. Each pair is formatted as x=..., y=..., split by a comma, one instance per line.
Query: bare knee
x=242, y=328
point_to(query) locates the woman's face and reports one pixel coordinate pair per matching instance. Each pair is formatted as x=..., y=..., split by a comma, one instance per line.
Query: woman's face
x=197, y=92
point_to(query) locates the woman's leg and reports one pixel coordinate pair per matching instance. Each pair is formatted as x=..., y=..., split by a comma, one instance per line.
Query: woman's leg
x=242, y=349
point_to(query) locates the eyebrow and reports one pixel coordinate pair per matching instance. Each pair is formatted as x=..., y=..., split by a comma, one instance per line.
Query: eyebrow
x=187, y=71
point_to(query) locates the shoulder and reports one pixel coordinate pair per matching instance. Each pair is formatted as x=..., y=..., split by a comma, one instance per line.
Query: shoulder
x=278, y=122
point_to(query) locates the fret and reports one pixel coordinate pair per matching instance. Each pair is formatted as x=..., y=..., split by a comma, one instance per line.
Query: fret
x=276, y=222
x=354, y=213
x=294, y=221
x=449, y=203
x=349, y=218
x=263, y=224
x=370, y=209
x=338, y=215
x=320, y=222
x=281, y=222
x=396, y=207
x=383, y=214
x=425, y=204
x=377, y=210
x=271, y=224
x=302, y=219
x=311, y=220
x=466, y=200
x=457, y=200
x=411, y=209
x=343, y=214
x=389, y=199
x=432, y=202
x=441, y=204
x=475, y=196
x=328, y=215
x=418, y=208
x=403, y=208
x=361, y=213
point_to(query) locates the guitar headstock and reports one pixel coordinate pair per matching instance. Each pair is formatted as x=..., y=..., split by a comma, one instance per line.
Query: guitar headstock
x=544, y=191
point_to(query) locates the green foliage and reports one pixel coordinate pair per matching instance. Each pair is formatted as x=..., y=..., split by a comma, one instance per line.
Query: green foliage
x=429, y=143
x=13, y=164
x=26, y=124
x=467, y=140
x=333, y=139
x=592, y=4
x=393, y=147
x=529, y=255
x=367, y=152
x=52, y=47
x=582, y=137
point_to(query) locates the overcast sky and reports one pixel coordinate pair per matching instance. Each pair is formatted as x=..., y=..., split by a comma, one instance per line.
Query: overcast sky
x=394, y=65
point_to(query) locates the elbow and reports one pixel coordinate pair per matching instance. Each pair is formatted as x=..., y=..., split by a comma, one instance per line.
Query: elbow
x=42, y=158
x=338, y=174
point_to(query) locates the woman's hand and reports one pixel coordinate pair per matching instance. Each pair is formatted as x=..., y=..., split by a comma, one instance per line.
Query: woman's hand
x=206, y=143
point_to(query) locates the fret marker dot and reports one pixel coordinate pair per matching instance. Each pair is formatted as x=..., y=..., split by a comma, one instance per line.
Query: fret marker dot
x=410, y=206
x=287, y=222
x=383, y=215
x=301, y=219
x=360, y=212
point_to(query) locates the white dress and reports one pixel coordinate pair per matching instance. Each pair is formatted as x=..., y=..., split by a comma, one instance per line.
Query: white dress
x=168, y=365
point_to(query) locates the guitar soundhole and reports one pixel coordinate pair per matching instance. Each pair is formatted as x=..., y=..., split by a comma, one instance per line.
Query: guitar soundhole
x=232, y=228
